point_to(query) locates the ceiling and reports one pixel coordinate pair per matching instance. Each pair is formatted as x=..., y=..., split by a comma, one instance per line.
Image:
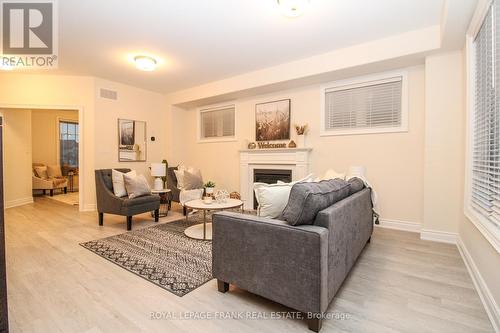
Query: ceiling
x=203, y=41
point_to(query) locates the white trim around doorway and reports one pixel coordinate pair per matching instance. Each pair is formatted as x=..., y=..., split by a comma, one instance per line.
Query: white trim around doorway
x=81, y=167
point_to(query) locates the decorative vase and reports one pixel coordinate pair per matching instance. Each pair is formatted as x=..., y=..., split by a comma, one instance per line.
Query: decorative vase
x=301, y=141
x=209, y=190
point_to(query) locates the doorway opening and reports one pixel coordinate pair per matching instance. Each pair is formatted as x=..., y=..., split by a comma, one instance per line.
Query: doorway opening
x=42, y=158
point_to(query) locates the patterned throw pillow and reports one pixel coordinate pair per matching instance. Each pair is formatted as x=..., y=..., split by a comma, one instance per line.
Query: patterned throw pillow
x=41, y=172
x=137, y=186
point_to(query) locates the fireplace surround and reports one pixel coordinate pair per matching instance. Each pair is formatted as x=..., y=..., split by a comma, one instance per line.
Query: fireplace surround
x=294, y=160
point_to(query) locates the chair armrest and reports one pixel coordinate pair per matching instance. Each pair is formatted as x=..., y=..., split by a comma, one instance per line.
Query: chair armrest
x=287, y=264
x=107, y=201
x=41, y=184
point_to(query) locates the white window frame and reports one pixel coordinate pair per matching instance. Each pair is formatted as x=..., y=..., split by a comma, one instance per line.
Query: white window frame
x=362, y=81
x=214, y=108
x=60, y=119
x=489, y=231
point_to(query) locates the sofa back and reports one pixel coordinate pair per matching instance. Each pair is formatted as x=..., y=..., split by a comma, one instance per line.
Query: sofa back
x=350, y=225
x=308, y=198
x=171, y=178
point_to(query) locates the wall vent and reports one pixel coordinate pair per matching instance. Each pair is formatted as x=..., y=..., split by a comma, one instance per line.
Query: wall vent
x=109, y=94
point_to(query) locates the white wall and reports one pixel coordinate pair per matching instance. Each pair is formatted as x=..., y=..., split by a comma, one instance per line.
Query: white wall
x=134, y=104
x=17, y=156
x=444, y=143
x=98, y=119
x=63, y=92
x=394, y=161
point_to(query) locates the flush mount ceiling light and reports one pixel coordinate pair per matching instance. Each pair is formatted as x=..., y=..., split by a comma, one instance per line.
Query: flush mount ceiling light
x=293, y=8
x=145, y=63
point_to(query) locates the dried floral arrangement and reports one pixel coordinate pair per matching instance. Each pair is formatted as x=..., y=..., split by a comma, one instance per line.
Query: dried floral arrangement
x=301, y=129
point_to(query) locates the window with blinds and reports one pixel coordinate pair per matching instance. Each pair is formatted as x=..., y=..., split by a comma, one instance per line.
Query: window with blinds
x=365, y=106
x=485, y=149
x=217, y=123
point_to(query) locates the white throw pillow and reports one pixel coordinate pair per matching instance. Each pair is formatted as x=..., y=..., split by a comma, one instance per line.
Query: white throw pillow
x=179, y=174
x=331, y=174
x=118, y=182
x=136, y=185
x=273, y=198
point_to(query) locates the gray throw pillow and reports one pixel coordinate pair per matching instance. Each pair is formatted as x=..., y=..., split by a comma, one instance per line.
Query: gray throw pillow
x=136, y=186
x=192, y=181
x=308, y=199
x=356, y=185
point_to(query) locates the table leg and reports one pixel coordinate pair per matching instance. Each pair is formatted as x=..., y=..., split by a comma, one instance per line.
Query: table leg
x=204, y=224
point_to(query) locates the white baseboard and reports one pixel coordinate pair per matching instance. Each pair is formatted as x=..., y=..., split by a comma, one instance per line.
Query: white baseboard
x=399, y=225
x=439, y=236
x=88, y=208
x=487, y=299
x=18, y=202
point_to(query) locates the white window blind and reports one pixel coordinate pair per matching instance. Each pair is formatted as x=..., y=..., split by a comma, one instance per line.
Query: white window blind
x=369, y=105
x=217, y=123
x=485, y=191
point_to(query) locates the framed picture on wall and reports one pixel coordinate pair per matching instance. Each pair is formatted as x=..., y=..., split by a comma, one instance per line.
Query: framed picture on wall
x=272, y=121
x=127, y=132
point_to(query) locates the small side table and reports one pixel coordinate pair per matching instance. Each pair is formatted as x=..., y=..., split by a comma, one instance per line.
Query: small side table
x=165, y=200
x=71, y=176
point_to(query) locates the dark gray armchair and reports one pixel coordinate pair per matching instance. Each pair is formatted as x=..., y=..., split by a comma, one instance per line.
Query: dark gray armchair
x=109, y=203
x=172, y=183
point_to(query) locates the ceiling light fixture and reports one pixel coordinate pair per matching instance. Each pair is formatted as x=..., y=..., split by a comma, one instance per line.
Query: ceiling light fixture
x=293, y=8
x=145, y=63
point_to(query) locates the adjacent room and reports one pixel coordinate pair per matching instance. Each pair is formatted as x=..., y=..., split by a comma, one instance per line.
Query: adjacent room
x=250, y=166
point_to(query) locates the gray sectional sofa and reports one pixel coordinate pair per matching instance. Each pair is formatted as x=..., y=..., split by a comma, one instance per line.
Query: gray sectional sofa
x=301, y=259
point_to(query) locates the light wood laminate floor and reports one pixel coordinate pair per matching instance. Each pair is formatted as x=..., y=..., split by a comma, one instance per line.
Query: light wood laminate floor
x=399, y=284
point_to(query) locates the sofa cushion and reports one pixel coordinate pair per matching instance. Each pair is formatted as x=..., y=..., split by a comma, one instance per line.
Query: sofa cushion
x=54, y=171
x=136, y=185
x=140, y=200
x=118, y=182
x=356, y=185
x=307, y=199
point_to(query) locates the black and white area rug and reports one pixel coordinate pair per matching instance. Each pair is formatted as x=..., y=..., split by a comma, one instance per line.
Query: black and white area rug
x=161, y=254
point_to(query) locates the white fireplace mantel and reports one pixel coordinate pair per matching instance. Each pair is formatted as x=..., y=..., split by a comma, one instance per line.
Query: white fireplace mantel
x=294, y=159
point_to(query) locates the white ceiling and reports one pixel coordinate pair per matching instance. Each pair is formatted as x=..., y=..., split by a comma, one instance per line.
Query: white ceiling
x=202, y=41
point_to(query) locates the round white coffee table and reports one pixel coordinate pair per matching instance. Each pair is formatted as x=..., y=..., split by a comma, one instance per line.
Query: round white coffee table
x=204, y=231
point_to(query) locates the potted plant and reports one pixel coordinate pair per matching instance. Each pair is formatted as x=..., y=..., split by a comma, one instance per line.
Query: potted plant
x=301, y=135
x=209, y=187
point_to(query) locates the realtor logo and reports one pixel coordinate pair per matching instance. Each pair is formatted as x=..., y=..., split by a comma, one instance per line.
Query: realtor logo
x=28, y=34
